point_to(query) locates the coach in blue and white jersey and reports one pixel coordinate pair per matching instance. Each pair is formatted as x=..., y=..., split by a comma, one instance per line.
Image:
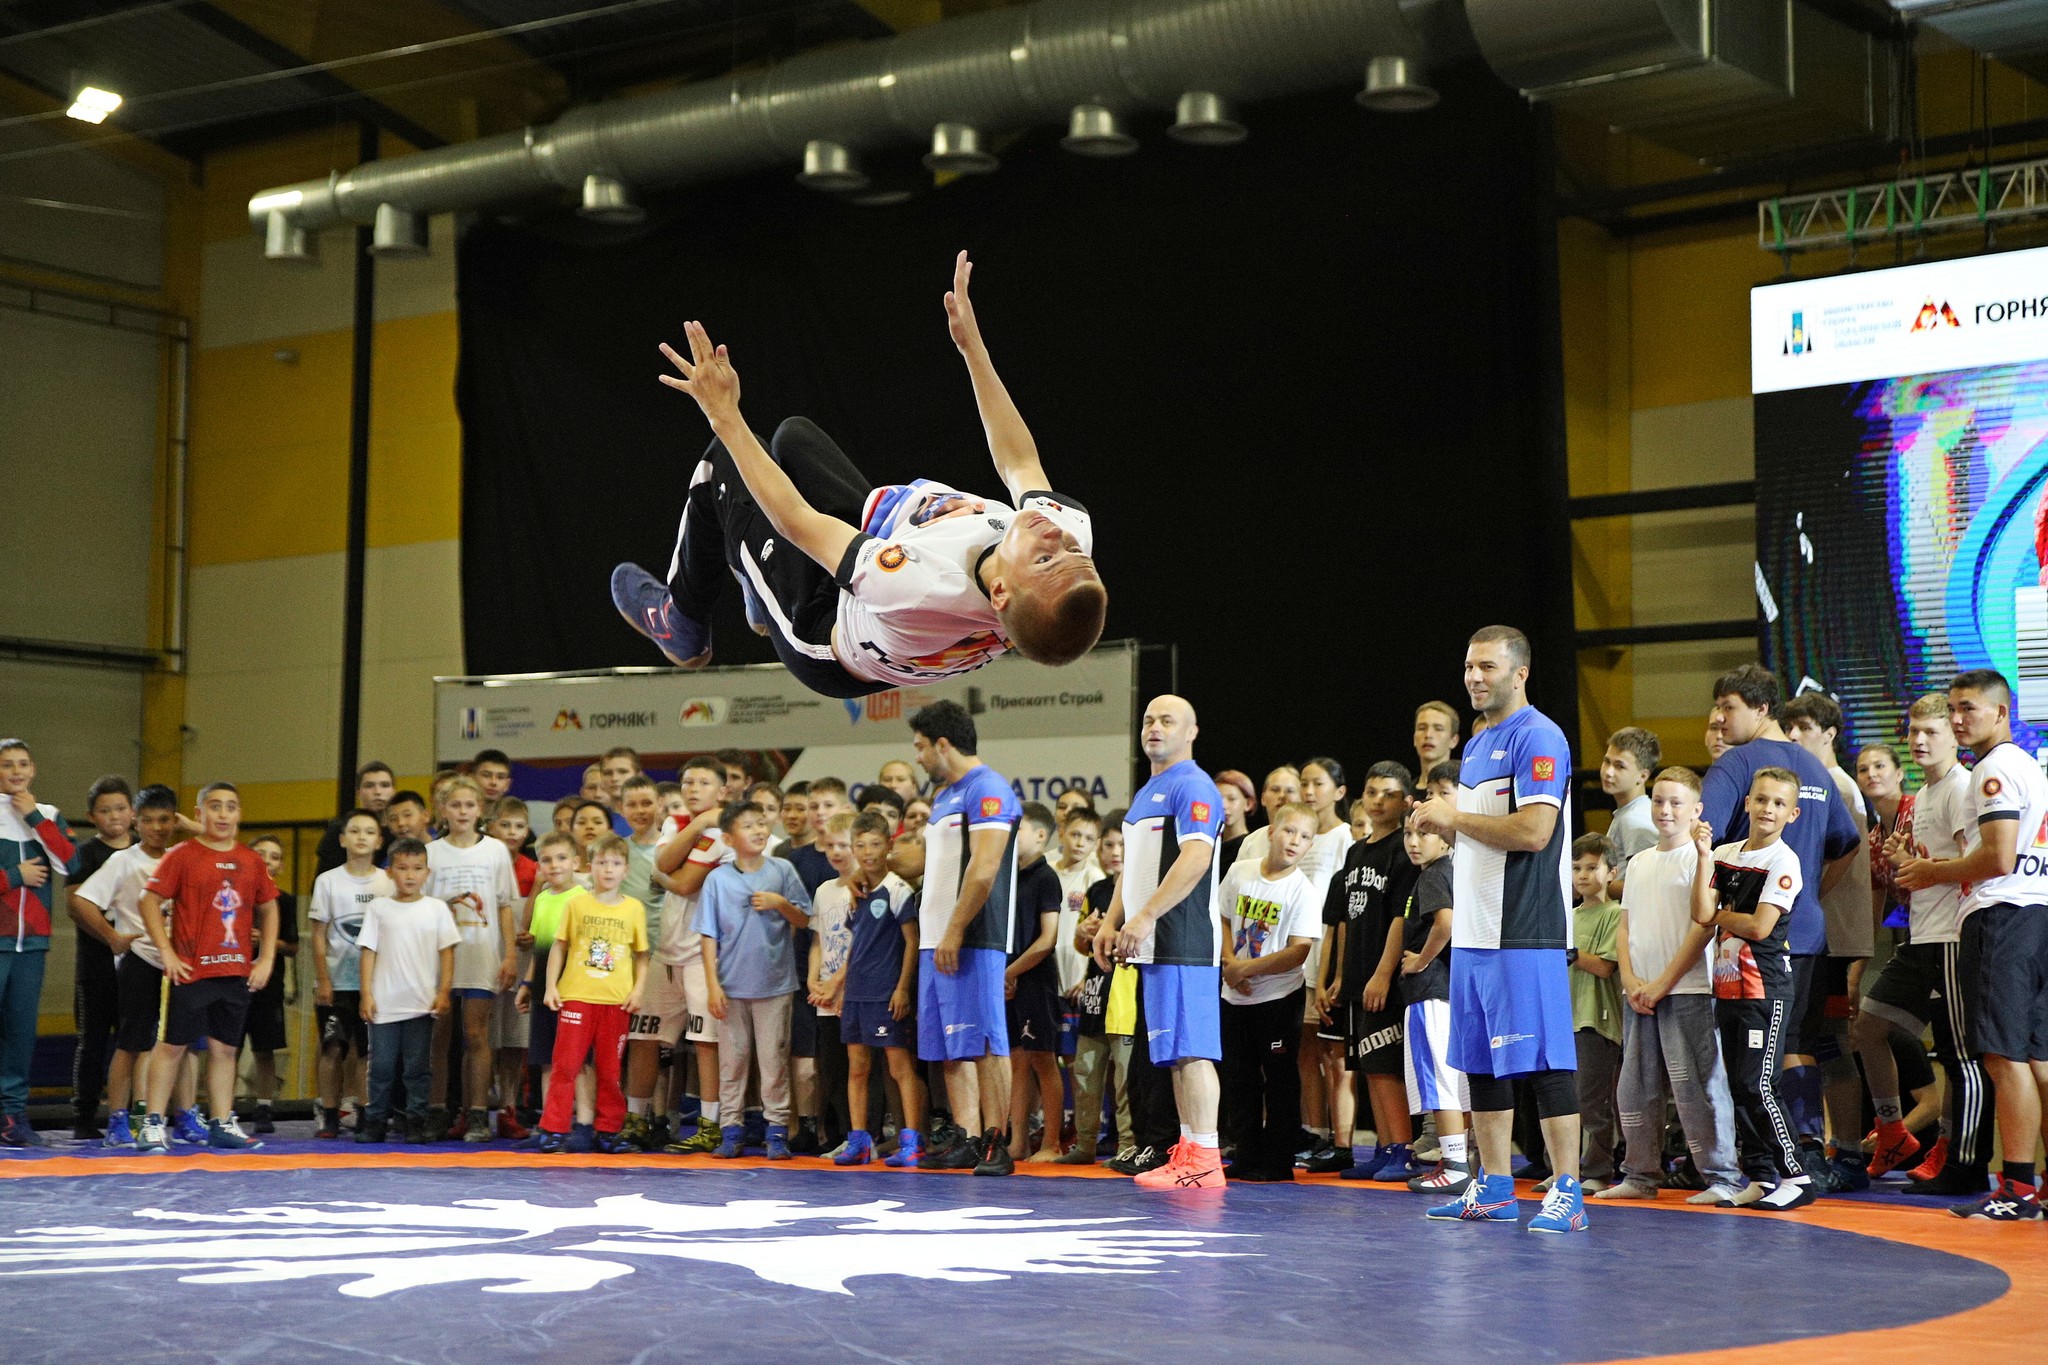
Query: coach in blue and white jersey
x=1511, y=1003
x=1162, y=917
x=963, y=930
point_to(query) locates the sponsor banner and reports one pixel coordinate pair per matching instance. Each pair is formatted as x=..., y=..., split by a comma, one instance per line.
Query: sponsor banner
x=1910, y=320
x=570, y=716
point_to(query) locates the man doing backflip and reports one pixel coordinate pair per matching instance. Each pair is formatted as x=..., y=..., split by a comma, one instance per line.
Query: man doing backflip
x=864, y=589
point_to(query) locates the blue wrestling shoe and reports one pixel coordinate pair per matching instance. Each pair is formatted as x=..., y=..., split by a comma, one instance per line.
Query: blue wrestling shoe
x=644, y=601
x=757, y=615
x=119, y=1132
x=1400, y=1165
x=188, y=1128
x=909, y=1146
x=1489, y=1199
x=1369, y=1166
x=729, y=1147
x=777, y=1143
x=582, y=1139
x=858, y=1151
x=1564, y=1208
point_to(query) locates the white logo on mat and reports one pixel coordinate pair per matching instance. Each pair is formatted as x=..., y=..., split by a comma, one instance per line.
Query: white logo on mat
x=509, y=1246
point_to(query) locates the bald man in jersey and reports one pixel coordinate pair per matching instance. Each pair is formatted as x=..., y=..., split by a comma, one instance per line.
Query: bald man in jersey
x=1162, y=917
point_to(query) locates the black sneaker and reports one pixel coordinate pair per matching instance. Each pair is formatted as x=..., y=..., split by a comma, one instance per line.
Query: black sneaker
x=1140, y=1161
x=263, y=1122
x=804, y=1141
x=368, y=1131
x=995, y=1154
x=937, y=1144
x=85, y=1130
x=964, y=1155
x=1329, y=1158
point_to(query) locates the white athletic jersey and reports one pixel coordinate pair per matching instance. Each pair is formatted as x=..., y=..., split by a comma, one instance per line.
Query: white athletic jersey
x=1503, y=899
x=2007, y=784
x=1941, y=820
x=680, y=943
x=117, y=889
x=913, y=610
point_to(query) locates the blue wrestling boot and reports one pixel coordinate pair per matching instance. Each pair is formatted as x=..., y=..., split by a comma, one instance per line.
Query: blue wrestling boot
x=730, y=1148
x=120, y=1133
x=1564, y=1209
x=1490, y=1199
x=909, y=1146
x=645, y=602
x=858, y=1151
x=188, y=1128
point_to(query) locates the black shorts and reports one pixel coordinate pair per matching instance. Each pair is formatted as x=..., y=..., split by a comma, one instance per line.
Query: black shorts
x=264, y=1029
x=141, y=1004
x=214, y=1007
x=1915, y=977
x=803, y=1026
x=1827, y=1002
x=1034, y=1016
x=1372, y=1042
x=2011, y=1018
x=1805, y=995
x=342, y=1026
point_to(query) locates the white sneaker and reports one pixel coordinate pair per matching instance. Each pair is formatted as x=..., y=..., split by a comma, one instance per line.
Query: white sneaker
x=1714, y=1196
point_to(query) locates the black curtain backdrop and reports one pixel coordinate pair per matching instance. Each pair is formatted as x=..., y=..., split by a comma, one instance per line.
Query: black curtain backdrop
x=1308, y=386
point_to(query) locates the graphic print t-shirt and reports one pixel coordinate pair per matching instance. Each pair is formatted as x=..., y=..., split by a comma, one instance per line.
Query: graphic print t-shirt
x=340, y=901
x=484, y=870
x=599, y=942
x=1745, y=879
x=213, y=894
x=1503, y=899
x=1264, y=913
x=2007, y=784
x=980, y=801
x=913, y=610
x=1368, y=896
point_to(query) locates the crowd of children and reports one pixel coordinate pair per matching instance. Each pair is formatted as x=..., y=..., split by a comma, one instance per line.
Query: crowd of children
x=716, y=966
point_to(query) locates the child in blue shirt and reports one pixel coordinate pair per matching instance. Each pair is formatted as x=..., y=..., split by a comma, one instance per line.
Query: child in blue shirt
x=748, y=912
x=877, y=994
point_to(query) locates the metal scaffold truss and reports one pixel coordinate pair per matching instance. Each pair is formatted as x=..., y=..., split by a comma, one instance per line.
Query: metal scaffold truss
x=1953, y=201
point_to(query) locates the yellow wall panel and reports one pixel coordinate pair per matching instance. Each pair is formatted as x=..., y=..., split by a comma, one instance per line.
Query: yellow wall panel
x=269, y=502
x=1689, y=314
x=416, y=485
x=244, y=397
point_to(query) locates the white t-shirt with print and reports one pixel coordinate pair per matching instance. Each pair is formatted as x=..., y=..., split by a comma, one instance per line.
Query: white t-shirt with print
x=484, y=869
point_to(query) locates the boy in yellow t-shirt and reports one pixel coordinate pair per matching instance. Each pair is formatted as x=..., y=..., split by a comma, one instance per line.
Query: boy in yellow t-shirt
x=597, y=969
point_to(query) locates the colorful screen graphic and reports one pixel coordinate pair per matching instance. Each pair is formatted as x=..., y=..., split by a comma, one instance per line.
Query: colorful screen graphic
x=1901, y=520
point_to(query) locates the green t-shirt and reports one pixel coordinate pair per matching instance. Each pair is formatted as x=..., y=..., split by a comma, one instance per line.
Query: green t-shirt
x=547, y=918
x=1596, y=1001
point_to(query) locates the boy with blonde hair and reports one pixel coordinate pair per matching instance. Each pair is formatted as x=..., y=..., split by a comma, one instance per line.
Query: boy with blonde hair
x=1670, y=1043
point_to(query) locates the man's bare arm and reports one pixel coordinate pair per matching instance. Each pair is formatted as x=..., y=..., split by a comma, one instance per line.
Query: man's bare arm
x=708, y=377
x=1009, y=440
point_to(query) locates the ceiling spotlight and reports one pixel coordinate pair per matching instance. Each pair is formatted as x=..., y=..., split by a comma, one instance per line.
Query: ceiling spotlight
x=957, y=147
x=606, y=200
x=1095, y=131
x=284, y=240
x=1393, y=85
x=93, y=105
x=830, y=167
x=398, y=233
x=1206, y=120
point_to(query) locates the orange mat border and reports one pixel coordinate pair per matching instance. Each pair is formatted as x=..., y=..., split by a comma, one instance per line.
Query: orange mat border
x=2013, y=1322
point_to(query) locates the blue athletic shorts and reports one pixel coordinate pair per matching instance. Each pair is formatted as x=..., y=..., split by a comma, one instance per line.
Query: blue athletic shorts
x=1070, y=1033
x=1511, y=1011
x=1183, y=1012
x=962, y=1017
x=472, y=993
x=869, y=1023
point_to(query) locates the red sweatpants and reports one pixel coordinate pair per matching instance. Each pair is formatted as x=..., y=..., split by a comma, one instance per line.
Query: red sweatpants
x=582, y=1030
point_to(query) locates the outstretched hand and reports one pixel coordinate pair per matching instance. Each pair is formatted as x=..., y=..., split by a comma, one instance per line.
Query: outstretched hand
x=960, y=322
x=707, y=376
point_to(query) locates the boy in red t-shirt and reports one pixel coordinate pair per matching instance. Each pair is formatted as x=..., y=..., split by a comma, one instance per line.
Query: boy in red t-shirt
x=220, y=900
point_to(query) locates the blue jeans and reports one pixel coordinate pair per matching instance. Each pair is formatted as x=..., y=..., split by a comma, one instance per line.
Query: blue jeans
x=404, y=1048
x=21, y=985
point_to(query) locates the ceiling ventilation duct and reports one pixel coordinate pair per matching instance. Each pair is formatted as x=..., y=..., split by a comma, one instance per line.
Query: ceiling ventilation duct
x=1717, y=79
x=2013, y=31
x=988, y=72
